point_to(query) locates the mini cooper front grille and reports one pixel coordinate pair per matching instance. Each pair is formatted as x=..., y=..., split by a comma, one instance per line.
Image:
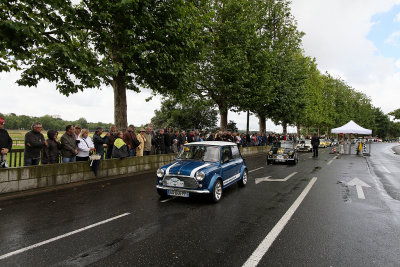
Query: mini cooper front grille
x=188, y=182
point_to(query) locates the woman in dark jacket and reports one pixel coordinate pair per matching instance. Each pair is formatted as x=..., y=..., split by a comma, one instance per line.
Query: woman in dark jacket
x=51, y=153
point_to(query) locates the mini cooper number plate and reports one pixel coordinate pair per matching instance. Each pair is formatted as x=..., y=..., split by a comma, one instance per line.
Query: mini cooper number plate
x=178, y=193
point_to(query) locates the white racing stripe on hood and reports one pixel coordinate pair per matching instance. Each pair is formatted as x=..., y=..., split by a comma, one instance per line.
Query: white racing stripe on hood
x=167, y=171
x=198, y=168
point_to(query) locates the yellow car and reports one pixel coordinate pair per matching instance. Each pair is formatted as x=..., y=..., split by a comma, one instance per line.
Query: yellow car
x=323, y=143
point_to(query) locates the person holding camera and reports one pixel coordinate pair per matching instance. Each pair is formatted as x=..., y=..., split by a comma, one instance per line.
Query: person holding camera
x=69, y=144
x=85, y=146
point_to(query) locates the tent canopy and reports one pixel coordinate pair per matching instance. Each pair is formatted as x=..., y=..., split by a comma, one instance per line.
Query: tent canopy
x=351, y=128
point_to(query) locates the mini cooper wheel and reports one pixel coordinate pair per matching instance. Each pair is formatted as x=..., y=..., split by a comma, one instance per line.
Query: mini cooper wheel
x=243, y=181
x=216, y=193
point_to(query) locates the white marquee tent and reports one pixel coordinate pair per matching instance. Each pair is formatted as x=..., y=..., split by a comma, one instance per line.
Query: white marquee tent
x=351, y=128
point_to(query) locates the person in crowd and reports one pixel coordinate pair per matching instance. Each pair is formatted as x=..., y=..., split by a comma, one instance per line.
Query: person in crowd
x=34, y=143
x=111, y=139
x=77, y=131
x=159, y=142
x=85, y=146
x=248, y=138
x=168, y=140
x=182, y=139
x=201, y=138
x=148, y=141
x=315, y=144
x=142, y=139
x=5, y=144
x=196, y=136
x=175, y=136
x=69, y=148
x=218, y=137
x=131, y=140
x=175, y=146
x=51, y=152
x=99, y=143
x=120, y=149
x=190, y=137
x=211, y=137
x=254, y=140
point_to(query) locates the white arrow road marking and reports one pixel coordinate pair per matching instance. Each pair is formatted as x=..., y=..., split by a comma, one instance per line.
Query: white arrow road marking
x=267, y=179
x=60, y=236
x=330, y=162
x=358, y=184
x=256, y=169
x=270, y=238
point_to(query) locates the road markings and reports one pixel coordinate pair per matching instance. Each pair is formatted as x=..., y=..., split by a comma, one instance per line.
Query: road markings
x=267, y=179
x=385, y=169
x=330, y=162
x=270, y=238
x=256, y=169
x=168, y=199
x=60, y=237
x=358, y=184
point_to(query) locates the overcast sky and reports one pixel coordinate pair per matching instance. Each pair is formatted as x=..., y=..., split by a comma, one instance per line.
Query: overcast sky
x=357, y=40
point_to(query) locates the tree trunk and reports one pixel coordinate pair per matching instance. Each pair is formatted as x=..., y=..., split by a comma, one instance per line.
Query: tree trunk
x=248, y=122
x=319, y=131
x=298, y=129
x=308, y=130
x=284, y=126
x=223, y=112
x=120, y=106
x=262, y=123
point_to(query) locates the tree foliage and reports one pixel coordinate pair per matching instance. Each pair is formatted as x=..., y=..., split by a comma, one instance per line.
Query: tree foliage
x=194, y=113
x=126, y=44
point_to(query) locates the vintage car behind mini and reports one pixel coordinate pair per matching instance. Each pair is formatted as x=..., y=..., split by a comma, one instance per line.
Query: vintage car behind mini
x=202, y=168
x=304, y=146
x=283, y=151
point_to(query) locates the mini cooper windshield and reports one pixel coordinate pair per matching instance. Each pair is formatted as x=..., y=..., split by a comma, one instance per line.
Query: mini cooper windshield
x=199, y=152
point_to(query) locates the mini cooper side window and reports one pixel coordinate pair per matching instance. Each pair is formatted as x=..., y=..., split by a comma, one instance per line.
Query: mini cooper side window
x=226, y=154
x=235, y=152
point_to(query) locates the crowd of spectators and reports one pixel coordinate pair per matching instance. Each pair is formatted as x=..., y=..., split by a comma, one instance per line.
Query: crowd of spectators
x=76, y=144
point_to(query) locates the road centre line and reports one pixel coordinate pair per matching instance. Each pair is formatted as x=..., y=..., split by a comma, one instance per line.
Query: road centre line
x=256, y=169
x=273, y=234
x=330, y=162
x=60, y=237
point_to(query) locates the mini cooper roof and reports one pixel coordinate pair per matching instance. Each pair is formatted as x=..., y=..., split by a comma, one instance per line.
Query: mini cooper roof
x=212, y=143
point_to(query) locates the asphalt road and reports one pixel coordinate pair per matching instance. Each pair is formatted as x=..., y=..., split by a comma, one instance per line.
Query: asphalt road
x=304, y=215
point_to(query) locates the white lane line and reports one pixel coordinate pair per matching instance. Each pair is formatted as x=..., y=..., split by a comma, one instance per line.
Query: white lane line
x=168, y=199
x=256, y=169
x=330, y=162
x=270, y=238
x=60, y=236
x=385, y=169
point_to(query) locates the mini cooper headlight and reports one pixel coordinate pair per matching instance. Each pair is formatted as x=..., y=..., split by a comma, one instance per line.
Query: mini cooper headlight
x=160, y=173
x=270, y=153
x=290, y=153
x=200, y=176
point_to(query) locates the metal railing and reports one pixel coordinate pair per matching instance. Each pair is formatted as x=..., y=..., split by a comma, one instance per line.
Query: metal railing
x=15, y=158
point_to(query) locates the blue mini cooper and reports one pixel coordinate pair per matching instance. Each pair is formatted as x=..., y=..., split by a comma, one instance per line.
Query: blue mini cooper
x=202, y=168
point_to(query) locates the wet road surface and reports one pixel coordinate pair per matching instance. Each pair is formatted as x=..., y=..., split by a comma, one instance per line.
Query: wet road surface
x=331, y=226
